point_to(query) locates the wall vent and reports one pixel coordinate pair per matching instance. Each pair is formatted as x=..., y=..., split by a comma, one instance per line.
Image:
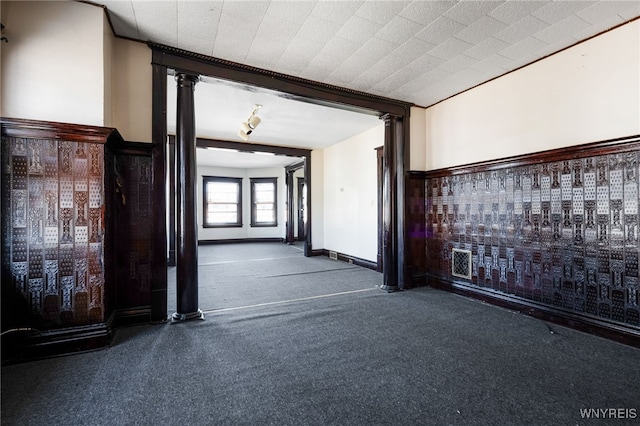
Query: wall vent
x=461, y=263
x=333, y=255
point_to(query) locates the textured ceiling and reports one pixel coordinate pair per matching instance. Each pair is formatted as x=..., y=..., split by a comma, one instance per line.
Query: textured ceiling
x=221, y=106
x=415, y=51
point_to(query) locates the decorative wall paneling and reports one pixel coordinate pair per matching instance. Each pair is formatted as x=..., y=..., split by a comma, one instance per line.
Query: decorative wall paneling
x=53, y=274
x=415, y=230
x=554, y=234
x=129, y=232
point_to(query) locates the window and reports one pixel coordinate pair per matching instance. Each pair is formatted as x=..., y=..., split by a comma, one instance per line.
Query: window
x=222, y=201
x=264, y=211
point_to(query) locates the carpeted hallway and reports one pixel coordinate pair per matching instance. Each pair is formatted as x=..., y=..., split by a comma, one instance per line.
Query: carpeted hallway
x=310, y=341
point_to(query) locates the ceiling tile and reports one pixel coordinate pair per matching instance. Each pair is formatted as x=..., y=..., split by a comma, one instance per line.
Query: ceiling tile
x=523, y=48
x=380, y=12
x=267, y=49
x=369, y=78
x=594, y=14
x=467, y=76
x=242, y=40
x=377, y=48
x=440, y=30
x=522, y=29
x=458, y=63
x=426, y=12
x=157, y=20
x=562, y=30
x=468, y=12
x=198, y=45
x=318, y=29
x=491, y=63
x=486, y=48
x=252, y=11
x=410, y=50
x=340, y=48
x=398, y=30
x=450, y=48
x=632, y=12
x=358, y=29
x=336, y=11
x=302, y=47
x=122, y=18
x=355, y=65
x=557, y=11
x=292, y=11
x=276, y=26
x=511, y=12
x=481, y=29
x=198, y=20
x=425, y=63
x=603, y=25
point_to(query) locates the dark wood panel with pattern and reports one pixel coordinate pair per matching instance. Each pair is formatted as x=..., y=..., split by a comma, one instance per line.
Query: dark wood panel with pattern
x=559, y=230
x=416, y=262
x=129, y=233
x=52, y=232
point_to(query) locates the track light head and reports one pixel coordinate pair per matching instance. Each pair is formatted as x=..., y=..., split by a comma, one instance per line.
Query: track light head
x=246, y=128
x=254, y=120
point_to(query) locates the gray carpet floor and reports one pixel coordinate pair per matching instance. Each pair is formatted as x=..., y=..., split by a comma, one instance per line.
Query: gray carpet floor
x=290, y=340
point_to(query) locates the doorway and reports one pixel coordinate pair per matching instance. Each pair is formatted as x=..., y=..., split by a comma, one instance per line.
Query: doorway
x=394, y=113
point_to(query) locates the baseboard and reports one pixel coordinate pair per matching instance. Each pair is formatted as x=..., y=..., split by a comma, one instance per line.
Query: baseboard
x=351, y=259
x=241, y=240
x=596, y=326
x=19, y=347
x=29, y=344
x=131, y=316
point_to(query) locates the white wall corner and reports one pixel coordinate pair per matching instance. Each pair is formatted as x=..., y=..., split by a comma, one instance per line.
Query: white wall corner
x=418, y=139
x=317, y=199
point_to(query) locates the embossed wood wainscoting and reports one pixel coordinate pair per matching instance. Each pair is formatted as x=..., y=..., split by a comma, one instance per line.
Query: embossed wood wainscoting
x=552, y=234
x=75, y=236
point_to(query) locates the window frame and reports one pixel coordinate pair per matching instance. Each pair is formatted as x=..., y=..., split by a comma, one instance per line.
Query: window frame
x=209, y=179
x=254, y=223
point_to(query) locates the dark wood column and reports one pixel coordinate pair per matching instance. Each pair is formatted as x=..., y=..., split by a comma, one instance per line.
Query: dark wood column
x=187, y=232
x=289, y=238
x=380, y=191
x=158, y=189
x=171, y=167
x=392, y=212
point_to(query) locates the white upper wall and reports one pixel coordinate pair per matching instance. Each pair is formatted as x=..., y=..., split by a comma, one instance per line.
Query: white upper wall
x=53, y=68
x=132, y=90
x=350, y=195
x=317, y=199
x=587, y=93
x=417, y=139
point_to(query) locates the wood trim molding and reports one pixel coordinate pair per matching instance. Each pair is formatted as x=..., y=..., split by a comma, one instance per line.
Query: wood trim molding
x=629, y=143
x=319, y=93
x=591, y=325
x=23, y=128
x=350, y=259
x=248, y=147
x=240, y=240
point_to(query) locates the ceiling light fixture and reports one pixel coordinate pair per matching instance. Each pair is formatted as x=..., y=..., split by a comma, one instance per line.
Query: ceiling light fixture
x=247, y=127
